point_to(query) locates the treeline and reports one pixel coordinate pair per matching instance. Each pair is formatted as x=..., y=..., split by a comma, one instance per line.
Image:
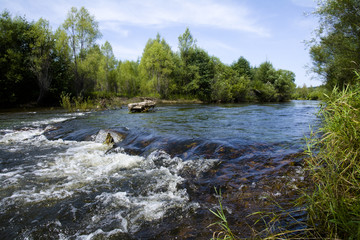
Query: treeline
x=311, y=93
x=39, y=64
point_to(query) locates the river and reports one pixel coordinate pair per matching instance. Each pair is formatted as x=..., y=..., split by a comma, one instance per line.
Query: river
x=58, y=180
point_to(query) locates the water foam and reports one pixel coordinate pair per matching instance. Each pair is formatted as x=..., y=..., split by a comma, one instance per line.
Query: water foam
x=138, y=189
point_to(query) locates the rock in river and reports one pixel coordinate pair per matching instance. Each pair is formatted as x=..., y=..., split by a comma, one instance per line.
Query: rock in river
x=108, y=137
x=141, y=106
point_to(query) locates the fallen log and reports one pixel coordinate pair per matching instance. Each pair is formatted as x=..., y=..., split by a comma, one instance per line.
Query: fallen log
x=141, y=106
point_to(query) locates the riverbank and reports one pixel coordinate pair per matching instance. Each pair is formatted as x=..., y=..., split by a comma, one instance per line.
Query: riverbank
x=79, y=103
x=333, y=164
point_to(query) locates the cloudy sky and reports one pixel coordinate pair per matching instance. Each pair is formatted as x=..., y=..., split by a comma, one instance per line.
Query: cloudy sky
x=258, y=30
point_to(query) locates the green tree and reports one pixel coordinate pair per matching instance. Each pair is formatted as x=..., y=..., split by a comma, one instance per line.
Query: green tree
x=90, y=68
x=221, y=84
x=285, y=85
x=107, y=72
x=156, y=68
x=18, y=83
x=188, y=72
x=61, y=68
x=41, y=56
x=265, y=73
x=186, y=44
x=129, y=78
x=83, y=31
x=264, y=78
x=335, y=50
x=242, y=67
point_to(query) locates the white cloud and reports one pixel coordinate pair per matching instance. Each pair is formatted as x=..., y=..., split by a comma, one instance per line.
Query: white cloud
x=225, y=14
x=165, y=13
x=114, y=27
x=215, y=44
x=126, y=53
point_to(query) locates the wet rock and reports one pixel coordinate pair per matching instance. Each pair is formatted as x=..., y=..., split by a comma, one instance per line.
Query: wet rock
x=141, y=106
x=108, y=137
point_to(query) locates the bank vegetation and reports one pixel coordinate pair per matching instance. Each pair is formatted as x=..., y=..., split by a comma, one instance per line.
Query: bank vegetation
x=42, y=65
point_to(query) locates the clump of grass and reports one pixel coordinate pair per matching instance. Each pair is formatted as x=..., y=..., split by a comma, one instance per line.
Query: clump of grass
x=65, y=101
x=225, y=233
x=334, y=205
x=282, y=224
x=76, y=103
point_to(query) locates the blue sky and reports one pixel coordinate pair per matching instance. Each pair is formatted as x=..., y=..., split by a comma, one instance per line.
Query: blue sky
x=258, y=30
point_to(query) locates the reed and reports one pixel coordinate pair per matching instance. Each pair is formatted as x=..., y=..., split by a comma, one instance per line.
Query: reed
x=225, y=233
x=334, y=166
x=76, y=103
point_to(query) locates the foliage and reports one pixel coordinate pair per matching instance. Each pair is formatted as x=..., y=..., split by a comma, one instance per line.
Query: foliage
x=310, y=93
x=128, y=78
x=272, y=85
x=336, y=46
x=38, y=64
x=83, y=31
x=156, y=68
x=41, y=49
x=16, y=78
x=76, y=103
x=242, y=67
x=334, y=206
x=65, y=101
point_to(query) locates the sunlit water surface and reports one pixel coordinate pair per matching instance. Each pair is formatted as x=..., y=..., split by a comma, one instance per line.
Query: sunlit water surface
x=59, y=180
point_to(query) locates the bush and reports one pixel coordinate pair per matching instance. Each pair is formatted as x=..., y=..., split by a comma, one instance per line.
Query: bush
x=76, y=103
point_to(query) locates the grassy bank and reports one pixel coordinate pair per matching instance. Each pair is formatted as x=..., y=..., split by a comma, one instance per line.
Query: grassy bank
x=334, y=205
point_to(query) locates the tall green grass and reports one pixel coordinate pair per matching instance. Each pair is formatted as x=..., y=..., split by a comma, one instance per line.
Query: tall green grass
x=334, y=166
x=76, y=103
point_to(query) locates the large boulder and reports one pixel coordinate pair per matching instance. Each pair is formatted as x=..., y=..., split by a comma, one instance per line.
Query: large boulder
x=141, y=106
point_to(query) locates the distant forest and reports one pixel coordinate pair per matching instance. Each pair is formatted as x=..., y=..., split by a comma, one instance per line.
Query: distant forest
x=39, y=65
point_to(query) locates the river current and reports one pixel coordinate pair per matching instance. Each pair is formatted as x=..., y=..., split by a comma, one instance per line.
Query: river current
x=59, y=180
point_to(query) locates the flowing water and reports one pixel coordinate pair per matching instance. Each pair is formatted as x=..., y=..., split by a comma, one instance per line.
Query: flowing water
x=59, y=180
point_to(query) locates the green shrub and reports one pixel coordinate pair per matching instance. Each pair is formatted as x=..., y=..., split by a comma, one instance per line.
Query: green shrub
x=65, y=101
x=76, y=103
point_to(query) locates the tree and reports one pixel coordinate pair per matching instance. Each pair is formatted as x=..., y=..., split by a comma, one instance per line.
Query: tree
x=91, y=71
x=107, y=74
x=18, y=83
x=285, y=85
x=335, y=50
x=205, y=66
x=265, y=73
x=186, y=44
x=42, y=48
x=242, y=67
x=129, y=78
x=61, y=67
x=156, y=67
x=222, y=83
x=83, y=31
x=188, y=72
